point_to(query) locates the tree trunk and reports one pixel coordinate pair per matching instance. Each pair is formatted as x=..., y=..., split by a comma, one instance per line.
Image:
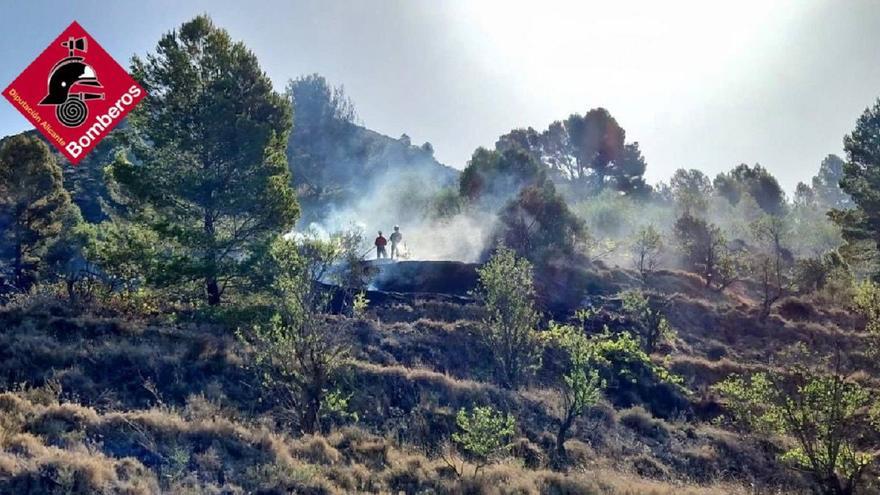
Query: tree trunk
x=309, y=420
x=70, y=283
x=832, y=485
x=212, y=288
x=18, y=268
x=561, y=435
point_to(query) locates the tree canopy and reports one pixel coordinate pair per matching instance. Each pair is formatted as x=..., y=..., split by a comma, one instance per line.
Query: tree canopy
x=208, y=167
x=493, y=175
x=690, y=190
x=534, y=219
x=755, y=181
x=826, y=184
x=586, y=153
x=324, y=115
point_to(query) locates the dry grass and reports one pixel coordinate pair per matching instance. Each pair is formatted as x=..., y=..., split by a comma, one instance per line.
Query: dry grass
x=217, y=455
x=28, y=465
x=179, y=412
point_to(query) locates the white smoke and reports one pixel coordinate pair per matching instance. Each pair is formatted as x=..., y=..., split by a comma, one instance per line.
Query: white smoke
x=407, y=199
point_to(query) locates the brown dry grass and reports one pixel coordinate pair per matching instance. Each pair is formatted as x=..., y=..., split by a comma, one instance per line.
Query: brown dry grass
x=151, y=406
x=205, y=455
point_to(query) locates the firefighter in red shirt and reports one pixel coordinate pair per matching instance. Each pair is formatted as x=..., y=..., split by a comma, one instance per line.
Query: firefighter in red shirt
x=380, y=246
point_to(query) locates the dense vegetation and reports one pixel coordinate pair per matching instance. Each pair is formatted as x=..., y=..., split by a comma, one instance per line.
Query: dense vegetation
x=162, y=328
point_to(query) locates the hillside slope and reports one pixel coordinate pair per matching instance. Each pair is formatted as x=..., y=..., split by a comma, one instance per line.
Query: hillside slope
x=108, y=404
x=338, y=164
x=339, y=170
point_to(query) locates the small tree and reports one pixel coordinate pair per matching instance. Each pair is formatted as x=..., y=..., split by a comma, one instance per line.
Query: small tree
x=360, y=305
x=507, y=293
x=814, y=273
x=645, y=250
x=651, y=325
x=337, y=260
x=763, y=270
x=580, y=384
x=704, y=249
x=770, y=264
x=729, y=268
x=295, y=348
x=484, y=434
x=690, y=190
x=826, y=414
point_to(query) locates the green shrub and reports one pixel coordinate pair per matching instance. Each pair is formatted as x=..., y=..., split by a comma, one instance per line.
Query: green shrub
x=484, y=434
x=651, y=325
x=580, y=384
x=866, y=299
x=509, y=330
x=296, y=351
x=825, y=414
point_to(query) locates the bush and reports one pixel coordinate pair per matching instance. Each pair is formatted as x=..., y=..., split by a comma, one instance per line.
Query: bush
x=484, y=434
x=296, y=351
x=632, y=376
x=640, y=421
x=866, y=299
x=651, y=325
x=509, y=330
x=824, y=413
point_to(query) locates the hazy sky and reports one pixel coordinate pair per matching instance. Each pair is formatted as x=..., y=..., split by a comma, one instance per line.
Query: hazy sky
x=699, y=84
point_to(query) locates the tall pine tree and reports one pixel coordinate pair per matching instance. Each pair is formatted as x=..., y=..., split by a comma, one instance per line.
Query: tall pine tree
x=861, y=180
x=207, y=147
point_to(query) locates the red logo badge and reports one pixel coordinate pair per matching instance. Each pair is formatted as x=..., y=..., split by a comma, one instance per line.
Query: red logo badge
x=74, y=93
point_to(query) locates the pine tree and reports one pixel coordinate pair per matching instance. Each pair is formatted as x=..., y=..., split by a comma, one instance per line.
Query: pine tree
x=207, y=151
x=33, y=208
x=861, y=180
